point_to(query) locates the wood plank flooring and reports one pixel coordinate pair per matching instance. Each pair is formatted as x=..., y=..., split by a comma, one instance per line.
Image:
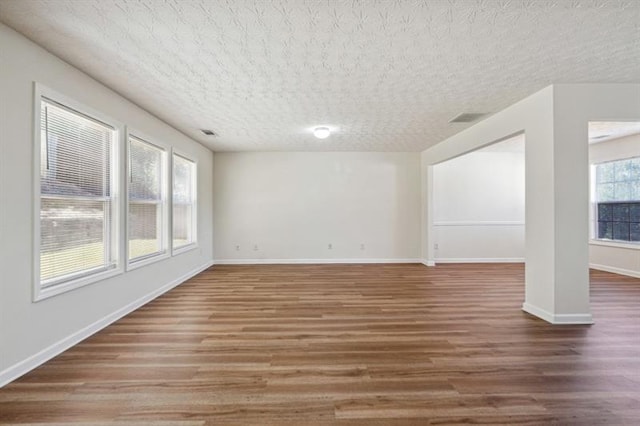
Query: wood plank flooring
x=348, y=345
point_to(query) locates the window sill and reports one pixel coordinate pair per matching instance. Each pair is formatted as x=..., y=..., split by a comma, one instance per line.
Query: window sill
x=41, y=293
x=616, y=244
x=184, y=249
x=135, y=264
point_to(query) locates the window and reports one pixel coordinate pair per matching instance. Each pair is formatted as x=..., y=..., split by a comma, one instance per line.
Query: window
x=77, y=237
x=617, y=190
x=147, y=201
x=184, y=202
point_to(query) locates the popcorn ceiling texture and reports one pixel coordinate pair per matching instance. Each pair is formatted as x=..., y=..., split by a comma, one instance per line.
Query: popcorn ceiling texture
x=387, y=75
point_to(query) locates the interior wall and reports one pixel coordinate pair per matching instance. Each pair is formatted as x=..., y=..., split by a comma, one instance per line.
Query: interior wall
x=288, y=207
x=615, y=257
x=32, y=332
x=534, y=117
x=479, y=208
x=478, y=203
x=554, y=121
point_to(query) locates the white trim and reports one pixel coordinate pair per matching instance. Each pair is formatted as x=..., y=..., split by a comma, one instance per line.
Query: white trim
x=614, y=270
x=557, y=319
x=184, y=249
x=194, y=210
x=144, y=261
x=481, y=260
x=165, y=253
x=307, y=261
x=478, y=223
x=39, y=293
x=42, y=293
x=428, y=262
x=616, y=244
x=13, y=372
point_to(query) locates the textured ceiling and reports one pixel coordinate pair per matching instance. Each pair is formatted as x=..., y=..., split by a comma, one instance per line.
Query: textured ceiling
x=385, y=75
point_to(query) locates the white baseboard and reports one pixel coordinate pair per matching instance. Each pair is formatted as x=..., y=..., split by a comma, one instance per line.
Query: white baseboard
x=307, y=261
x=23, y=367
x=557, y=319
x=612, y=269
x=428, y=262
x=481, y=260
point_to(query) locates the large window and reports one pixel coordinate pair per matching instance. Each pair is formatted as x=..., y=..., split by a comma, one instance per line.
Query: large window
x=147, y=201
x=617, y=192
x=77, y=204
x=184, y=202
x=97, y=210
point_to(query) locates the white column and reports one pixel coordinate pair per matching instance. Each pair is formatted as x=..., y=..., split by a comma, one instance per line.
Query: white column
x=557, y=220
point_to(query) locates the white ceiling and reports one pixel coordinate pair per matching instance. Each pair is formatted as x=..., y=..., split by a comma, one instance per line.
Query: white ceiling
x=385, y=75
x=600, y=131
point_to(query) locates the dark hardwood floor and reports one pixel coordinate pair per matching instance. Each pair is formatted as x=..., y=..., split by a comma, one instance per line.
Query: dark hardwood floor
x=350, y=345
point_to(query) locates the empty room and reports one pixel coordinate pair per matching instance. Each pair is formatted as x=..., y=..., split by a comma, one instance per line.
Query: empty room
x=319, y=212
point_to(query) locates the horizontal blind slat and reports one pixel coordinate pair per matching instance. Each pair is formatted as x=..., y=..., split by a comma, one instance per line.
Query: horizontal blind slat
x=146, y=212
x=75, y=187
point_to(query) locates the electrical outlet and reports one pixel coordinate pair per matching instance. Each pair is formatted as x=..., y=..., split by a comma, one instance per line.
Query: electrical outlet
x=330, y=246
x=255, y=247
x=237, y=248
x=361, y=246
x=435, y=247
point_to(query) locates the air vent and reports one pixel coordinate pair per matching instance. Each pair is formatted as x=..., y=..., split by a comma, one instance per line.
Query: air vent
x=467, y=117
x=599, y=137
x=208, y=132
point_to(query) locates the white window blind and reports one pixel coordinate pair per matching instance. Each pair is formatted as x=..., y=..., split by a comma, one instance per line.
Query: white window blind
x=146, y=200
x=76, y=202
x=184, y=201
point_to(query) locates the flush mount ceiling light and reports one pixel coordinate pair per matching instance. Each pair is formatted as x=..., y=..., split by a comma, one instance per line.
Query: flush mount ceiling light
x=321, y=132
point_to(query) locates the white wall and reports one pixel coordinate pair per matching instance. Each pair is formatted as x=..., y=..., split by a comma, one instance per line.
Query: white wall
x=478, y=205
x=292, y=205
x=554, y=121
x=615, y=257
x=32, y=332
x=479, y=208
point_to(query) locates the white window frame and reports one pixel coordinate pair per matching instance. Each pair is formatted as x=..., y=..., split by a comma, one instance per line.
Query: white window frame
x=593, y=211
x=40, y=93
x=166, y=197
x=194, y=211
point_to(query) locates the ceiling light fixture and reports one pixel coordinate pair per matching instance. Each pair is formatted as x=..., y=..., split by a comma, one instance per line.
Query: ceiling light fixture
x=321, y=132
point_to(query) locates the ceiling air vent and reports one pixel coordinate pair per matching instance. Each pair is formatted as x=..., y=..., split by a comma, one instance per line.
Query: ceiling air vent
x=467, y=117
x=208, y=132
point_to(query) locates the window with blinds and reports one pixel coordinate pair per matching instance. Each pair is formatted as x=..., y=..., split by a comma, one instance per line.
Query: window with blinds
x=617, y=203
x=76, y=194
x=184, y=202
x=147, y=200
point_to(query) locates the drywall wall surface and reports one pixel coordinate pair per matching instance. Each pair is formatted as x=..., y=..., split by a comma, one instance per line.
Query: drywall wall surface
x=574, y=106
x=624, y=258
x=554, y=121
x=32, y=331
x=479, y=207
x=615, y=149
x=316, y=206
x=532, y=116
